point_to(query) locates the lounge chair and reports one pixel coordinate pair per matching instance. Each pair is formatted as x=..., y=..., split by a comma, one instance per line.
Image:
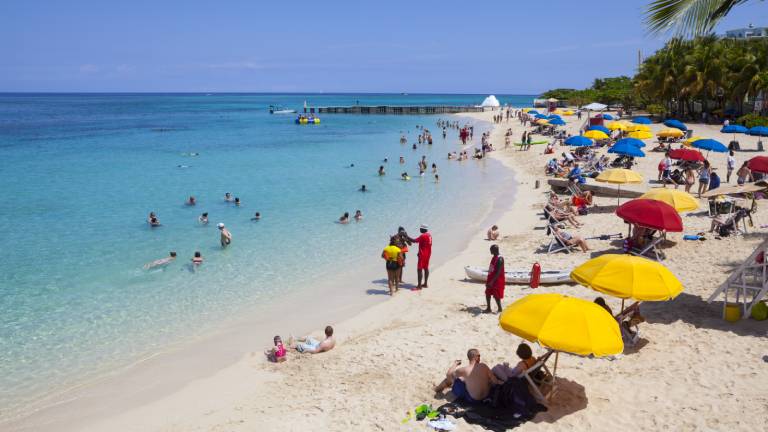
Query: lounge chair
x=538, y=376
x=557, y=243
x=630, y=332
x=650, y=250
x=726, y=224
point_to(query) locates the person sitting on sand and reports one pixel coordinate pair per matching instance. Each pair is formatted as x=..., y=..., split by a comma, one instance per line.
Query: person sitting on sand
x=344, y=219
x=493, y=233
x=310, y=345
x=203, y=219
x=571, y=239
x=471, y=383
x=161, y=262
x=276, y=354
x=503, y=372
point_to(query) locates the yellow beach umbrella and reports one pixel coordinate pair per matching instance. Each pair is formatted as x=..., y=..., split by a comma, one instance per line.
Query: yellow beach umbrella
x=639, y=128
x=640, y=135
x=628, y=277
x=595, y=134
x=564, y=324
x=617, y=125
x=682, y=201
x=670, y=133
x=527, y=109
x=619, y=176
x=542, y=122
x=558, y=111
x=690, y=140
x=568, y=112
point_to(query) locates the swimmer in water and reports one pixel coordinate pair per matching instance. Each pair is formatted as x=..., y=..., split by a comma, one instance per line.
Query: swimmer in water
x=161, y=262
x=191, y=201
x=203, y=219
x=197, y=259
x=437, y=178
x=344, y=219
x=227, y=197
x=154, y=222
x=414, y=146
x=256, y=216
x=226, y=236
x=237, y=201
x=404, y=176
x=358, y=215
x=386, y=160
x=402, y=160
x=351, y=165
x=381, y=170
x=151, y=216
x=434, y=168
x=363, y=189
x=182, y=166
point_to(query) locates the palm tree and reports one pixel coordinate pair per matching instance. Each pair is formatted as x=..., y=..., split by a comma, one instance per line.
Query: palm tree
x=688, y=18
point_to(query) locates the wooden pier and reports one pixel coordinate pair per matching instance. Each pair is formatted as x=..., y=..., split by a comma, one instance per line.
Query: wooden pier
x=399, y=110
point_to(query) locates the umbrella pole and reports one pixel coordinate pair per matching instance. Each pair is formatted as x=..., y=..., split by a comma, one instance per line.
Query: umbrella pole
x=622, y=304
x=554, y=369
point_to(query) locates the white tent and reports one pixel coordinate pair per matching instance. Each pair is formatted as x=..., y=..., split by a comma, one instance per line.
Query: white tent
x=594, y=106
x=490, y=101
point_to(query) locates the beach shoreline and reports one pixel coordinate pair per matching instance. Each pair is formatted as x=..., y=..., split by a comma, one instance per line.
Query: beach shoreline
x=391, y=354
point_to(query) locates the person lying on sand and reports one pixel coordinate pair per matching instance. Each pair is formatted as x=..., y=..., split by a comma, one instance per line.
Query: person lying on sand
x=472, y=383
x=276, y=354
x=503, y=372
x=311, y=346
x=571, y=239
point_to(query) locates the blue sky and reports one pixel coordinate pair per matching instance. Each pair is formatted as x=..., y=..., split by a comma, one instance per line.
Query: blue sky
x=332, y=46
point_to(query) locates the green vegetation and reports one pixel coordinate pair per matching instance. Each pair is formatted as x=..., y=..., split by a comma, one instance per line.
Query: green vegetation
x=752, y=120
x=610, y=91
x=687, y=17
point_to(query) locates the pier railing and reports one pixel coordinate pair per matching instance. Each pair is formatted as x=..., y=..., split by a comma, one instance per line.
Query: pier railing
x=389, y=109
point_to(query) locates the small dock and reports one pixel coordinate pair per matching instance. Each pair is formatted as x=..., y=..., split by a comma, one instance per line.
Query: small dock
x=397, y=110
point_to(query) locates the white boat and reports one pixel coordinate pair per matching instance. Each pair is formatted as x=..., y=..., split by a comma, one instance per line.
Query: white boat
x=276, y=109
x=521, y=276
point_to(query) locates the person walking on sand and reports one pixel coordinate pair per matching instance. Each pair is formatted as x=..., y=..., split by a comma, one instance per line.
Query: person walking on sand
x=494, y=285
x=425, y=253
x=226, y=236
x=391, y=255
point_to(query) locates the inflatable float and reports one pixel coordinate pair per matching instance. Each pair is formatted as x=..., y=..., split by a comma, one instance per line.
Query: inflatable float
x=307, y=120
x=520, y=276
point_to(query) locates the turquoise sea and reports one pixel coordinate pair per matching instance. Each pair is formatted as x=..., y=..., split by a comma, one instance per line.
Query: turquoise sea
x=79, y=174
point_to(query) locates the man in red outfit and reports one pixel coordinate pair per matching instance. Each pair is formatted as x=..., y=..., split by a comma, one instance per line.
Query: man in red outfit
x=494, y=285
x=425, y=252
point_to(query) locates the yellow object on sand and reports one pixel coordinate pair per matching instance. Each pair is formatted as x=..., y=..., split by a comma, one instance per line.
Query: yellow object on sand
x=527, y=109
x=617, y=125
x=564, y=324
x=670, y=133
x=640, y=135
x=628, y=277
x=595, y=134
x=732, y=312
x=542, y=122
x=682, y=201
x=639, y=128
x=619, y=176
x=568, y=112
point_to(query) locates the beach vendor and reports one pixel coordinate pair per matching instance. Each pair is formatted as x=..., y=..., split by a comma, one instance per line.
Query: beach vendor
x=494, y=285
x=425, y=253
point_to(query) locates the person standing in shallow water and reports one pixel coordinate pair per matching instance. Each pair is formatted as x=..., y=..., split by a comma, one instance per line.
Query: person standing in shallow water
x=425, y=253
x=494, y=285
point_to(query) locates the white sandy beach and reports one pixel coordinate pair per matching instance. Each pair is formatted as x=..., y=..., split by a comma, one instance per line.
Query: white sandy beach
x=694, y=371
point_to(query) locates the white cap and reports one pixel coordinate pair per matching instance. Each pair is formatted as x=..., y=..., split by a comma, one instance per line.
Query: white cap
x=220, y=225
x=423, y=226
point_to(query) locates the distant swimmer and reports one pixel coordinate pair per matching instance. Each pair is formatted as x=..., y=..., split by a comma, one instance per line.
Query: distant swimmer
x=414, y=146
x=203, y=219
x=381, y=170
x=351, y=165
x=152, y=219
x=437, y=178
x=402, y=160
x=237, y=201
x=405, y=176
x=403, y=139
x=363, y=189
x=344, y=219
x=386, y=160
x=228, y=197
x=226, y=236
x=191, y=201
x=182, y=166
x=161, y=262
x=197, y=259
x=256, y=216
x=358, y=215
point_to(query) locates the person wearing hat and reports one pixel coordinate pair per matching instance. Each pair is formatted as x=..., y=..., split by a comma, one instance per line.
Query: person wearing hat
x=425, y=252
x=226, y=236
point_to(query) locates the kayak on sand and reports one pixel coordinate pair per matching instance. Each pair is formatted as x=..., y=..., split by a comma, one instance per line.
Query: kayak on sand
x=520, y=276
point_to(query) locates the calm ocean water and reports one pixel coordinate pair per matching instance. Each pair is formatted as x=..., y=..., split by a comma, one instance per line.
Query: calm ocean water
x=80, y=173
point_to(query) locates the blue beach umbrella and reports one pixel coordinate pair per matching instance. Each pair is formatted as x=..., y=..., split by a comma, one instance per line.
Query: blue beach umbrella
x=602, y=129
x=533, y=112
x=557, y=122
x=677, y=124
x=759, y=131
x=540, y=116
x=607, y=116
x=579, y=141
x=710, y=145
x=734, y=129
x=627, y=150
x=630, y=141
x=554, y=116
x=641, y=120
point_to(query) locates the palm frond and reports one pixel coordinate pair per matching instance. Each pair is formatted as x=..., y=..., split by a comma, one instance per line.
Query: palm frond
x=687, y=18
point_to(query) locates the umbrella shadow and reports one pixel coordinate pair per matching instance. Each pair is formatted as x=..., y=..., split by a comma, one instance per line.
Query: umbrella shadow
x=696, y=311
x=603, y=209
x=569, y=398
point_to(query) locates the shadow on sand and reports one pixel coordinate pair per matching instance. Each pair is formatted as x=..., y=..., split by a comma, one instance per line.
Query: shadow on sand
x=569, y=398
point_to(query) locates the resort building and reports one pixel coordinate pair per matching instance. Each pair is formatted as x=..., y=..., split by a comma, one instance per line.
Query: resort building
x=747, y=33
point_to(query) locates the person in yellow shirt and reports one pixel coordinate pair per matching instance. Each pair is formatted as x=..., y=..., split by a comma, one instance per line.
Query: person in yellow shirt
x=392, y=257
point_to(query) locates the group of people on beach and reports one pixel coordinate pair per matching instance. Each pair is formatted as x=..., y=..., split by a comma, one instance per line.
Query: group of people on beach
x=394, y=256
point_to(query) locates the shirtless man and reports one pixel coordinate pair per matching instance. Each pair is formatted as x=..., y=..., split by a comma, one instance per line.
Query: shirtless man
x=226, y=236
x=309, y=345
x=471, y=382
x=161, y=262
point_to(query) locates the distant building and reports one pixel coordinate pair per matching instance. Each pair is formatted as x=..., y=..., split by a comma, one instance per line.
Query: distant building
x=747, y=33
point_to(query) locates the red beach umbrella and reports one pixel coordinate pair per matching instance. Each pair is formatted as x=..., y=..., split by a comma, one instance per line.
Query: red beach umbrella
x=651, y=214
x=758, y=164
x=687, y=155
